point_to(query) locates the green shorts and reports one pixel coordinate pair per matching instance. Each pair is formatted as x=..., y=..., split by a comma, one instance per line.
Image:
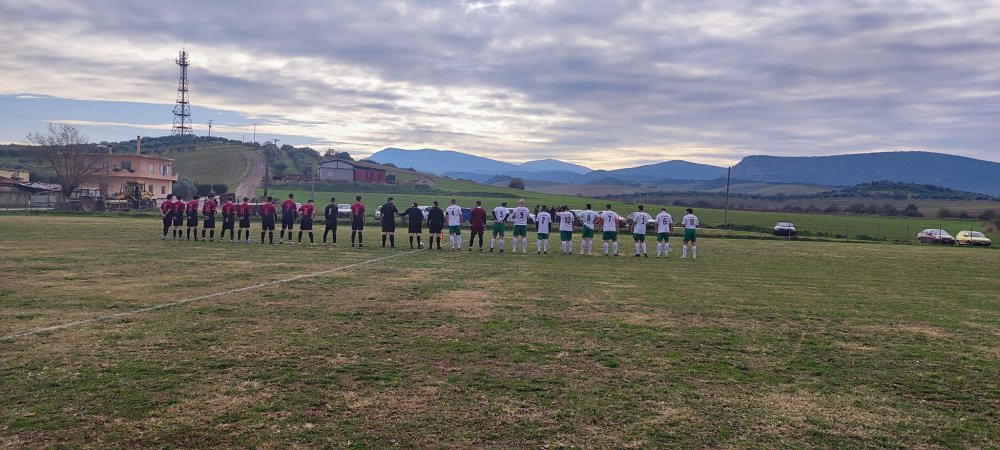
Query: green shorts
x=663, y=237
x=454, y=229
x=565, y=235
x=690, y=234
x=610, y=236
x=543, y=236
x=639, y=237
x=498, y=228
x=520, y=230
x=588, y=233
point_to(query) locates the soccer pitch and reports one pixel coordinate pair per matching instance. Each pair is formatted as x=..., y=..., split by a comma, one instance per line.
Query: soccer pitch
x=754, y=344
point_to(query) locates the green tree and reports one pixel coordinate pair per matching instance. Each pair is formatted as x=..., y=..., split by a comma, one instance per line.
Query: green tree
x=516, y=183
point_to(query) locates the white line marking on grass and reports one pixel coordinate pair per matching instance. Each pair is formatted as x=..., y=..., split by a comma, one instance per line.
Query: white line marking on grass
x=37, y=331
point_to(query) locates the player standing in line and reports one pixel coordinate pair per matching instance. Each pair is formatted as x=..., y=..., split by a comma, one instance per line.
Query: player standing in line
x=690, y=222
x=478, y=220
x=208, y=224
x=357, y=221
x=389, y=213
x=589, y=219
x=566, y=229
x=639, y=231
x=415, y=221
x=228, y=221
x=610, y=220
x=288, y=208
x=435, y=223
x=192, y=217
x=178, y=207
x=521, y=215
x=331, y=220
x=308, y=212
x=454, y=215
x=664, y=226
x=244, y=211
x=167, y=214
x=499, y=229
x=543, y=220
x=268, y=216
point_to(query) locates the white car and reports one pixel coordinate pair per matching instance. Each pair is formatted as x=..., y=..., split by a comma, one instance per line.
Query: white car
x=785, y=229
x=343, y=210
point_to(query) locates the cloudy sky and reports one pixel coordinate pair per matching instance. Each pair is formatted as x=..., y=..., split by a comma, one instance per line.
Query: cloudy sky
x=602, y=83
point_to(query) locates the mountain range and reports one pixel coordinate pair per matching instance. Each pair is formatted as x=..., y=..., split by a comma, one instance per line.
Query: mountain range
x=949, y=171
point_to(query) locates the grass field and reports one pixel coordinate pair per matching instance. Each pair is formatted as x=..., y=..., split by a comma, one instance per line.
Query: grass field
x=755, y=344
x=228, y=165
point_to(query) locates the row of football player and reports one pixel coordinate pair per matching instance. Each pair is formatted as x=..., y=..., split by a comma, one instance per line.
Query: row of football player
x=608, y=220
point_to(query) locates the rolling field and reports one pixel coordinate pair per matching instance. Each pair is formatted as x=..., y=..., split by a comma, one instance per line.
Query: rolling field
x=755, y=344
x=229, y=165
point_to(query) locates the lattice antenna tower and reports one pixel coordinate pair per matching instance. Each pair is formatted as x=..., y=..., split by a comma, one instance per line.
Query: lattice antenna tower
x=182, y=110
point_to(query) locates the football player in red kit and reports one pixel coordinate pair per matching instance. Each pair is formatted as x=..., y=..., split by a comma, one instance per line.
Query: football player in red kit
x=244, y=211
x=308, y=212
x=208, y=210
x=268, y=215
x=228, y=220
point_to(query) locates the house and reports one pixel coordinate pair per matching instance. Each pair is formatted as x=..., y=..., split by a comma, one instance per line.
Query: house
x=15, y=174
x=152, y=174
x=344, y=171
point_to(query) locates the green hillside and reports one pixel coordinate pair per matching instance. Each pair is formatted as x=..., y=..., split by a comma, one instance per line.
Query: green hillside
x=228, y=164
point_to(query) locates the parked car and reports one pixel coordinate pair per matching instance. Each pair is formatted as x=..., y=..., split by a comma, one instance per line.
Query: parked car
x=935, y=236
x=972, y=238
x=343, y=210
x=785, y=229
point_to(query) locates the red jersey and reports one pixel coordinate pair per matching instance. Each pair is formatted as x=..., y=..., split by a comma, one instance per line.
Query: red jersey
x=192, y=206
x=478, y=218
x=208, y=207
x=229, y=208
x=288, y=207
x=308, y=210
x=244, y=210
x=167, y=207
x=358, y=210
x=268, y=210
x=179, y=207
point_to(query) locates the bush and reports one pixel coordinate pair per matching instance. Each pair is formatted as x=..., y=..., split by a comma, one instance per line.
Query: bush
x=832, y=209
x=516, y=183
x=989, y=214
x=944, y=213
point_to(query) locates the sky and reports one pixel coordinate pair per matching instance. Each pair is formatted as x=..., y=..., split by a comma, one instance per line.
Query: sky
x=606, y=84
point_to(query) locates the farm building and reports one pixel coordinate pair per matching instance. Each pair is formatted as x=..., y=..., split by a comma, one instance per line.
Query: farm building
x=122, y=172
x=18, y=194
x=351, y=171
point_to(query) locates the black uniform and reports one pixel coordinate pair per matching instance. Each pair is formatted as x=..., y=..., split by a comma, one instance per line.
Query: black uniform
x=331, y=221
x=435, y=220
x=389, y=213
x=415, y=219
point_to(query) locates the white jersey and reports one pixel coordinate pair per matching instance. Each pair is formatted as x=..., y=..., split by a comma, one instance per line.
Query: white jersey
x=588, y=218
x=454, y=215
x=500, y=214
x=641, y=219
x=610, y=219
x=544, y=220
x=565, y=221
x=663, y=221
x=690, y=222
x=521, y=215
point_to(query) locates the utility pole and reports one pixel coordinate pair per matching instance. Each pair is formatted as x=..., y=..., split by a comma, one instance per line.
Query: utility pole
x=312, y=189
x=729, y=175
x=254, y=133
x=209, y=128
x=267, y=169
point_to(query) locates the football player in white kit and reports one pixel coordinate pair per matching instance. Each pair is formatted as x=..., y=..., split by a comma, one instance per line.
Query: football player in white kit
x=499, y=229
x=454, y=216
x=543, y=221
x=664, y=226
x=588, y=217
x=610, y=220
x=521, y=215
x=566, y=230
x=641, y=219
x=690, y=222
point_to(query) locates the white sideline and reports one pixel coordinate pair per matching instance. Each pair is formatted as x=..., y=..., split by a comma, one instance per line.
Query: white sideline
x=37, y=331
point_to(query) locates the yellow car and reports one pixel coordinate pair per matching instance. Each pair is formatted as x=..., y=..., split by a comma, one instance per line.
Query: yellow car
x=971, y=238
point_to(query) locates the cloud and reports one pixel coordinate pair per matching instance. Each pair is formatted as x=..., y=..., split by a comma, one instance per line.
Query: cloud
x=608, y=84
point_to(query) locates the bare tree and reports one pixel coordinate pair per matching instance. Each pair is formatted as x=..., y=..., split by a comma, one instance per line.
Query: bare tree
x=69, y=153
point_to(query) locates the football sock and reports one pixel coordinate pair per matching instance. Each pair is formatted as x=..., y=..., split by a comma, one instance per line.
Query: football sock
x=615, y=246
x=418, y=241
x=605, y=248
x=383, y=240
x=311, y=241
x=411, y=241
x=458, y=241
x=684, y=251
x=694, y=250
x=493, y=243
x=270, y=236
x=590, y=246
x=636, y=248
x=361, y=238
x=539, y=245
x=262, y=233
x=666, y=248
x=392, y=240
x=644, y=248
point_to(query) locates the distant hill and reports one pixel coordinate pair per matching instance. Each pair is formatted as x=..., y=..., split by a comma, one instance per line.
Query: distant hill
x=668, y=170
x=953, y=172
x=554, y=165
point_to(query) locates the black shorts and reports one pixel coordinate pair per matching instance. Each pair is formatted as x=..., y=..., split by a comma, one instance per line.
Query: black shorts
x=228, y=222
x=331, y=225
x=267, y=225
x=178, y=219
x=435, y=229
x=192, y=219
x=418, y=228
x=287, y=222
x=244, y=222
x=167, y=220
x=209, y=221
x=389, y=226
x=306, y=224
x=358, y=224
